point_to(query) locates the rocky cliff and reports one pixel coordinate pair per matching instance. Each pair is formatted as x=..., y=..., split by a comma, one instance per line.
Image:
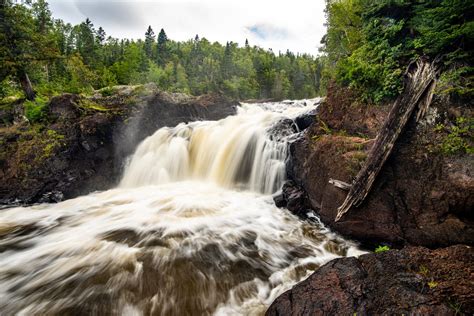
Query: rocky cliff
x=82, y=144
x=424, y=194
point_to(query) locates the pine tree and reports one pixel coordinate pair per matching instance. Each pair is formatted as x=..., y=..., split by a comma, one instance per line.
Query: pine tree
x=85, y=41
x=149, y=41
x=162, y=48
x=42, y=16
x=101, y=35
x=226, y=67
x=162, y=38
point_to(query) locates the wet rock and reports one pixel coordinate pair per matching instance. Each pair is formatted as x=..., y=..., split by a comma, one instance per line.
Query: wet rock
x=294, y=198
x=84, y=145
x=280, y=200
x=412, y=281
x=304, y=121
x=52, y=197
x=282, y=129
x=421, y=196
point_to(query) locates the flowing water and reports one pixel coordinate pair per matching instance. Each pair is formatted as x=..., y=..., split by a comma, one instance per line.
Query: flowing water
x=191, y=229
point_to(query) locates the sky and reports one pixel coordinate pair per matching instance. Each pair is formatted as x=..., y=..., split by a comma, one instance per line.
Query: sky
x=297, y=25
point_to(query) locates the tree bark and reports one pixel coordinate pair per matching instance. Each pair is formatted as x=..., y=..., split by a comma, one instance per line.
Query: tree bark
x=419, y=87
x=26, y=85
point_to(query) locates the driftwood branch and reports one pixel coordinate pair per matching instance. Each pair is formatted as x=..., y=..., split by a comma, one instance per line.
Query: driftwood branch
x=420, y=81
x=340, y=184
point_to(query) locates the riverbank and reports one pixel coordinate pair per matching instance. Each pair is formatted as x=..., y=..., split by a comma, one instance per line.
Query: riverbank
x=81, y=143
x=423, y=196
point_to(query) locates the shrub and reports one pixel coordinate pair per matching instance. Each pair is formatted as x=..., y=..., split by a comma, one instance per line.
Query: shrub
x=457, y=139
x=35, y=110
x=381, y=248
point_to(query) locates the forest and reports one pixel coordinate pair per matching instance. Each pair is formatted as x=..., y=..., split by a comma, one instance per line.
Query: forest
x=57, y=57
x=369, y=44
x=367, y=47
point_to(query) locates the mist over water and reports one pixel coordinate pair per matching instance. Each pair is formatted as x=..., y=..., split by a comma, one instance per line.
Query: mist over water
x=191, y=230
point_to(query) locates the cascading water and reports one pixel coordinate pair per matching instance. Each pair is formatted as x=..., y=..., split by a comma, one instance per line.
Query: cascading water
x=191, y=230
x=233, y=152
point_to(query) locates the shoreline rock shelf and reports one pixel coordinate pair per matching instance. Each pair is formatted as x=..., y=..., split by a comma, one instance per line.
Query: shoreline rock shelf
x=414, y=280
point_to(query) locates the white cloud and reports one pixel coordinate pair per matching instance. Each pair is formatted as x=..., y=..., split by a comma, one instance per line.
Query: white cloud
x=296, y=25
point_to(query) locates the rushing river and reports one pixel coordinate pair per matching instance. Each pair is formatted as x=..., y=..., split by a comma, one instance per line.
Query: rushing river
x=191, y=229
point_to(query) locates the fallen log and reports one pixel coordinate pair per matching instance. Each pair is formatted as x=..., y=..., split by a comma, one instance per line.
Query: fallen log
x=420, y=80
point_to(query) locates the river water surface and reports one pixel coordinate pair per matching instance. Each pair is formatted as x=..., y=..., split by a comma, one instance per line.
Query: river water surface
x=191, y=229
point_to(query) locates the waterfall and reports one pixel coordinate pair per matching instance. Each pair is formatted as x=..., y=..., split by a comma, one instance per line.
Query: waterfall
x=236, y=152
x=191, y=229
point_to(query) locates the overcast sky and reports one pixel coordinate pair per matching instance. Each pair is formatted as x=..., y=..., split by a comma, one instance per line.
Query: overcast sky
x=292, y=24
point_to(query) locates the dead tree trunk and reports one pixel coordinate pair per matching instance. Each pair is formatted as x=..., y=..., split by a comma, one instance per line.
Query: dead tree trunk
x=26, y=85
x=420, y=81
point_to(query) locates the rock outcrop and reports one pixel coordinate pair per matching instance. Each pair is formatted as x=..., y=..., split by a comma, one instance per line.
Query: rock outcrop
x=412, y=281
x=83, y=143
x=423, y=195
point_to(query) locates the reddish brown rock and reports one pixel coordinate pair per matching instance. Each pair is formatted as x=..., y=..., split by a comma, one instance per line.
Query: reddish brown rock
x=421, y=197
x=412, y=281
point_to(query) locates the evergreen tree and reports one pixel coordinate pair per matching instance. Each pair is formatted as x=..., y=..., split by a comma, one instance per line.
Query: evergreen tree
x=20, y=45
x=162, y=53
x=226, y=67
x=85, y=42
x=162, y=38
x=101, y=35
x=149, y=41
x=42, y=15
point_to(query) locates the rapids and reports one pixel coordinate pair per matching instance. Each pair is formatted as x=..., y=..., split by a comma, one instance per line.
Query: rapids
x=191, y=229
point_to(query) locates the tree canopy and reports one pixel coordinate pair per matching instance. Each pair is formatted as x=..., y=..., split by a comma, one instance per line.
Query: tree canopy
x=369, y=43
x=59, y=57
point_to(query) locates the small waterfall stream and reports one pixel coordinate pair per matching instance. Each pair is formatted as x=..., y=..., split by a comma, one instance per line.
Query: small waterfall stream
x=191, y=230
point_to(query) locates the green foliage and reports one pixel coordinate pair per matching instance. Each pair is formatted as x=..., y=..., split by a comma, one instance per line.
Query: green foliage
x=8, y=88
x=107, y=91
x=60, y=57
x=35, y=111
x=370, y=43
x=88, y=106
x=457, y=81
x=459, y=137
x=380, y=249
x=82, y=78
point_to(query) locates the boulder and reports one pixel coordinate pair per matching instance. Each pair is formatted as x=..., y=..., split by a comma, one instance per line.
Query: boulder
x=412, y=281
